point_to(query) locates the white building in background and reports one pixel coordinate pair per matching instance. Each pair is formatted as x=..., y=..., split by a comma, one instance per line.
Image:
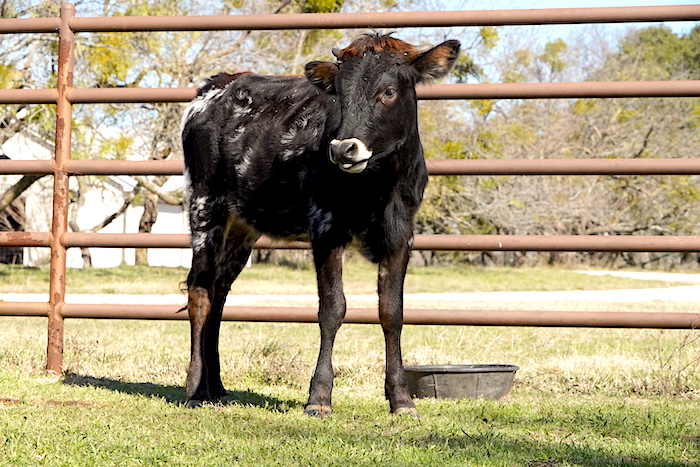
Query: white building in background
x=99, y=203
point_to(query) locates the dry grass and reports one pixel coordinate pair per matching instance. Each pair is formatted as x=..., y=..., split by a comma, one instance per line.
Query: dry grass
x=579, y=361
x=552, y=360
x=582, y=397
x=359, y=278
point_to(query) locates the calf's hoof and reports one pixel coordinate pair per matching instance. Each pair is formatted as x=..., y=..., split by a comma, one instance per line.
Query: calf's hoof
x=318, y=411
x=406, y=412
x=193, y=404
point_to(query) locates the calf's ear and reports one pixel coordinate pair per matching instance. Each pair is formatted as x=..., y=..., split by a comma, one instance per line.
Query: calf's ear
x=322, y=74
x=437, y=62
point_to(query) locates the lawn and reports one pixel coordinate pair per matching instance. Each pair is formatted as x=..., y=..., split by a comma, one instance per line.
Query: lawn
x=583, y=397
x=359, y=278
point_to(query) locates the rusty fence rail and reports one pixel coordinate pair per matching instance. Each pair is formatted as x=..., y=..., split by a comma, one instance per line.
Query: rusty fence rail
x=62, y=167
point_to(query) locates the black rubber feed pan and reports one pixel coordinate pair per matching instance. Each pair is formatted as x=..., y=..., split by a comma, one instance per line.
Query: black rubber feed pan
x=460, y=381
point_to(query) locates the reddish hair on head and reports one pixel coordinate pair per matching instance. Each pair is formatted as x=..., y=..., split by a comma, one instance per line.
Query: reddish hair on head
x=376, y=43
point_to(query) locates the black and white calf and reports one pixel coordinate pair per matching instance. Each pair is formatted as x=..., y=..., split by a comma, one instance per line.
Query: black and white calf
x=333, y=158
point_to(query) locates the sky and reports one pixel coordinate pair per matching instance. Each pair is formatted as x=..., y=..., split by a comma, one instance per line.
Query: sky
x=581, y=3
x=568, y=32
x=506, y=4
x=678, y=27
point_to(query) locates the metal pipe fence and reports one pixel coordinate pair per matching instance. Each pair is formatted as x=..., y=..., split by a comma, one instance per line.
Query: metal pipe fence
x=62, y=167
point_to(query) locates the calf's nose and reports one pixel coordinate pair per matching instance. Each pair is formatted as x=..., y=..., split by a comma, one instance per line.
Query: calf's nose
x=343, y=150
x=351, y=155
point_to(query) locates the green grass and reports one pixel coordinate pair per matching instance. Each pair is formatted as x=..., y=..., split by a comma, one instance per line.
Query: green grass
x=127, y=428
x=360, y=278
x=583, y=397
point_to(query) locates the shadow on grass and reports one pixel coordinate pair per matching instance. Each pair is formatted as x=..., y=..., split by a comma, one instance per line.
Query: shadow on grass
x=523, y=439
x=176, y=394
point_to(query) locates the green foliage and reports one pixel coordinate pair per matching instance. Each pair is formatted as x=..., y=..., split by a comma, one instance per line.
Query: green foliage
x=29, y=8
x=658, y=53
x=530, y=64
x=8, y=75
x=316, y=36
x=524, y=57
x=124, y=59
x=489, y=36
x=110, y=58
x=521, y=132
x=552, y=55
x=452, y=150
x=680, y=191
x=466, y=68
x=694, y=115
x=443, y=193
x=117, y=148
x=474, y=129
x=487, y=141
x=154, y=8
x=467, y=65
x=483, y=106
x=626, y=115
x=581, y=128
x=513, y=77
x=585, y=106
x=320, y=6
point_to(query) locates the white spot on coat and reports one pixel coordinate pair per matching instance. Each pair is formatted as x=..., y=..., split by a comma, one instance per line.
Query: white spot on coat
x=296, y=126
x=242, y=95
x=288, y=136
x=237, y=134
x=199, y=105
x=199, y=240
x=200, y=203
x=198, y=210
x=244, y=164
x=289, y=153
x=240, y=111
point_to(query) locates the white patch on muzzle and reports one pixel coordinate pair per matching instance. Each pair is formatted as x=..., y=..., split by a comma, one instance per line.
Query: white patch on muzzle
x=350, y=154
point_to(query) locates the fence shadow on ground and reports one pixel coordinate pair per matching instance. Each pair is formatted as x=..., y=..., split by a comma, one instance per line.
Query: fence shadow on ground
x=176, y=394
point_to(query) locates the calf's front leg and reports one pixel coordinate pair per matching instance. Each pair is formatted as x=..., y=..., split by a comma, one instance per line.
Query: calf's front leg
x=392, y=271
x=331, y=311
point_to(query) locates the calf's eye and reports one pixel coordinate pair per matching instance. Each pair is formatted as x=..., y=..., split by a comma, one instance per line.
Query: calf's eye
x=389, y=95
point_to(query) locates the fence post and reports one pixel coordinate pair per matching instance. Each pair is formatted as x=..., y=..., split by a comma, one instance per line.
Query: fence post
x=61, y=193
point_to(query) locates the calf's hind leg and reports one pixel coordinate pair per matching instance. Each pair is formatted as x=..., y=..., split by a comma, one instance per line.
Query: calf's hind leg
x=199, y=309
x=214, y=268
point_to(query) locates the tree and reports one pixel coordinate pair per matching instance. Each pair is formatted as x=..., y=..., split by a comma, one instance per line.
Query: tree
x=620, y=128
x=169, y=59
x=550, y=128
x=25, y=62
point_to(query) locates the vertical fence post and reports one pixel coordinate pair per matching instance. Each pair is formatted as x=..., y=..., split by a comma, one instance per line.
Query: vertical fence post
x=59, y=226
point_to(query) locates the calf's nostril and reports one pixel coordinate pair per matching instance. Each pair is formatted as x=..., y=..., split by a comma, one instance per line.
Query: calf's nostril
x=350, y=148
x=344, y=149
x=349, y=153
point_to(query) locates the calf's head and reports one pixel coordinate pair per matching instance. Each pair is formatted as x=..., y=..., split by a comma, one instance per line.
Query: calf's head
x=374, y=80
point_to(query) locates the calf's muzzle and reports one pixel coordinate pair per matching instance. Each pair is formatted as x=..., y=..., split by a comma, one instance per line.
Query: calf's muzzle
x=351, y=154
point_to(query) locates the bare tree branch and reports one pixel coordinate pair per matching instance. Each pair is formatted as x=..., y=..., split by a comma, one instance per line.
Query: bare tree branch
x=128, y=199
x=17, y=189
x=167, y=198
